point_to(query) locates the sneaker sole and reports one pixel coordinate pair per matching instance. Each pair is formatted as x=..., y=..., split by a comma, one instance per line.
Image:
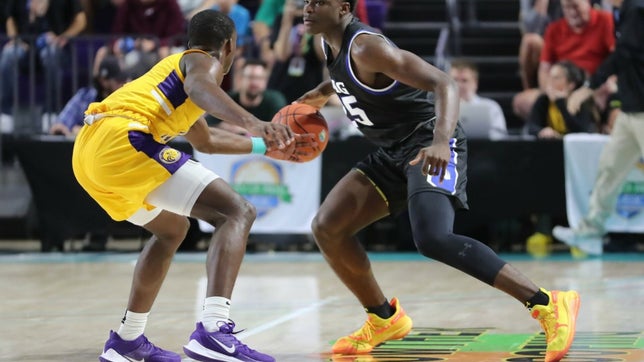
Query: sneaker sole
x=400, y=333
x=112, y=356
x=198, y=352
x=571, y=303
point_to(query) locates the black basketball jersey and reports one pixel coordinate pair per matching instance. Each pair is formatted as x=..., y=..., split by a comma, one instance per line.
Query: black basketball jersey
x=385, y=116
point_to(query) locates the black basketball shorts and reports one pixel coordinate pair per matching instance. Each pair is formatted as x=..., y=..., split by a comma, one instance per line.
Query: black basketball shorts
x=389, y=169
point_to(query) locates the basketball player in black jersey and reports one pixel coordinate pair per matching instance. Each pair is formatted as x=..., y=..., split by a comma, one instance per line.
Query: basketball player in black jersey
x=409, y=109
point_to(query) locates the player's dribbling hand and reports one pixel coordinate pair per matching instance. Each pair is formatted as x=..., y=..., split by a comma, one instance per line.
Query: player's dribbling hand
x=435, y=159
x=275, y=135
x=303, y=146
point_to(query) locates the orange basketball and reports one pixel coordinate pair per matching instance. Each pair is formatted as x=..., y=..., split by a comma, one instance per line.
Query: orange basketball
x=303, y=118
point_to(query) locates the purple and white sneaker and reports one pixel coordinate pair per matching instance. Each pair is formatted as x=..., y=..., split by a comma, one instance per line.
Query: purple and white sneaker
x=221, y=346
x=141, y=350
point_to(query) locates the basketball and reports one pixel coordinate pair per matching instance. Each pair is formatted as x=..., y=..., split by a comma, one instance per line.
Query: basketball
x=303, y=118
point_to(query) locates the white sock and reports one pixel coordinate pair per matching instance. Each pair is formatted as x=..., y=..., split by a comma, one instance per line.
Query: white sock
x=215, y=310
x=132, y=325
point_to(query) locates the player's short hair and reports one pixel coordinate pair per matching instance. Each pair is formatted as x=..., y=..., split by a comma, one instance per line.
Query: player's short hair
x=210, y=28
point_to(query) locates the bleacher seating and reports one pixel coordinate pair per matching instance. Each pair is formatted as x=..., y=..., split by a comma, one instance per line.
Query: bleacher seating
x=488, y=35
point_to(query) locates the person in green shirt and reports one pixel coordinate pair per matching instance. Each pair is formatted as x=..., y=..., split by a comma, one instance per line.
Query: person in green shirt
x=253, y=96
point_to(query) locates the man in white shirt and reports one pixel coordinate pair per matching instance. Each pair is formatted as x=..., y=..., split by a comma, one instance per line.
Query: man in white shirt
x=482, y=109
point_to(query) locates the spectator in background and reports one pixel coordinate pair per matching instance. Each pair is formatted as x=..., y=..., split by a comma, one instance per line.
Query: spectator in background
x=549, y=117
x=190, y=7
x=299, y=57
x=533, y=24
x=240, y=17
x=253, y=96
x=583, y=36
x=109, y=78
x=45, y=27
x=147, y=30
x=264, y=23
x=466, y=75
x=625, y=145
x=100, y=15
x=242, y=20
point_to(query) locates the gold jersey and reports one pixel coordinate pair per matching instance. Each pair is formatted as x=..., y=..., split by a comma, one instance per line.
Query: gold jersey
x=121, y=155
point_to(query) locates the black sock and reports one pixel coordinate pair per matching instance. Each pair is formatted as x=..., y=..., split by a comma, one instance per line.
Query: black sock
x=383, y=311
x=540, y=298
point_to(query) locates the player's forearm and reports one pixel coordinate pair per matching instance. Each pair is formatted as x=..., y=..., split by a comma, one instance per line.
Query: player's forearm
x=446, y=106
x=225, y=142
x=212, y=99
x=326, y=88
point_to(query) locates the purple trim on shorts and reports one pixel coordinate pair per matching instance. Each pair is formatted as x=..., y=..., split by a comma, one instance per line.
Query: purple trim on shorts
x=166, y=156
x=172, y=88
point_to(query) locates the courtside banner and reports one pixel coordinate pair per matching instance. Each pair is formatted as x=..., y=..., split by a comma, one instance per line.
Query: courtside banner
x=581, y=161
x=285, y=194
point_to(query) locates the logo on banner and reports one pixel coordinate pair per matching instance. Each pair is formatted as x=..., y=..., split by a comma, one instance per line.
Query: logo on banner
x=261, y=182
x=630, y=201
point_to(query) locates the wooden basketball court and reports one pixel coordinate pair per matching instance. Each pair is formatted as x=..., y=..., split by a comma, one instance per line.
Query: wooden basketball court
x=60, y=307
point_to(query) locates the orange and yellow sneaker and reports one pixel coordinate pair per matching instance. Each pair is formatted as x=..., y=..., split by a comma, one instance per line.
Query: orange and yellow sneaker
x=375, y=331
x=558, y=321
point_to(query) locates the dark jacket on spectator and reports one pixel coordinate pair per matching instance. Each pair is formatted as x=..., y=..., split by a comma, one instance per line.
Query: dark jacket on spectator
x=161, y=18
x=539, y=117
x=627, y=61
x=60, y=15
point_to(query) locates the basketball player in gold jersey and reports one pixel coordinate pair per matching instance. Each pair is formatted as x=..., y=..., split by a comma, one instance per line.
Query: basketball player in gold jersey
x=122, y=160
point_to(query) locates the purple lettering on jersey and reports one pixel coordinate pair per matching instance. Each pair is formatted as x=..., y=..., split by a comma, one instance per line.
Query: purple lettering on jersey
x=166, y=156
x=172, y=88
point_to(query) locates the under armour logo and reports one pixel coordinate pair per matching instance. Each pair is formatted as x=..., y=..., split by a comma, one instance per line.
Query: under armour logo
x=463, y=252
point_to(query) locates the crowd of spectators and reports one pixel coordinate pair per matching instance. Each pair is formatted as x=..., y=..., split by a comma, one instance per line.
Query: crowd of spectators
x=558, y=37
x=137, y=33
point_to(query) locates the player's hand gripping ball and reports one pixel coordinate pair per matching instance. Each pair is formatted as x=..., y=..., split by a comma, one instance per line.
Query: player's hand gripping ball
x=302, y=119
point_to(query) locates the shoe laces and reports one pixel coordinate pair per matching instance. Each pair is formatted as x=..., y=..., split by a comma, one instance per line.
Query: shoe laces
x=149, y=347
x=548, y=323
x=366, y=331
x=227, y=334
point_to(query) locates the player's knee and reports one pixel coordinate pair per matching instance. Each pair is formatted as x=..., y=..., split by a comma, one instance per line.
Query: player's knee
x=242, y=216
x=247, y=212
x=175, y=235
x=243, y=213
x=324, y=229
x=432, y=244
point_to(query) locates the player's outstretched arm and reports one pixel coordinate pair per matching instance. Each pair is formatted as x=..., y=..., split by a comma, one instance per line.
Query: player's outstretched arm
x=201, y=84
x=214, y=140
x=318, y=96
